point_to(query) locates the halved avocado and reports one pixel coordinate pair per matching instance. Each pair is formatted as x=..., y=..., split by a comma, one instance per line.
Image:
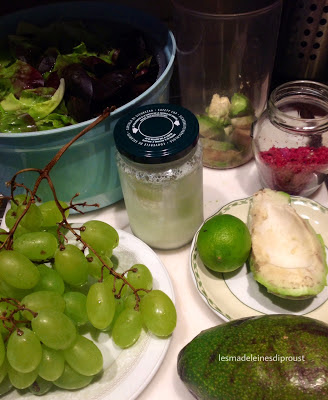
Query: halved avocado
x=288, y=257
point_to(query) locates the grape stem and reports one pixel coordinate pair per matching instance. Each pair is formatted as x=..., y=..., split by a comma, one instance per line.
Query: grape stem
x=65, y=224
x=31, y=198
x=8, y=321
x=44, y=174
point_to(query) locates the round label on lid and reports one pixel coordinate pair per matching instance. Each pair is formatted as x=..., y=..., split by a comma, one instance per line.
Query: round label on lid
x=156, y=133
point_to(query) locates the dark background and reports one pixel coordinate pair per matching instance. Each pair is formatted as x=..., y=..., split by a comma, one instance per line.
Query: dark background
x=158, y=8
x=161, y=9
x=298, y=56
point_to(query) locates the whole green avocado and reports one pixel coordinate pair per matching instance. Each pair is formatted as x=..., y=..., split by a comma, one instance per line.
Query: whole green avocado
x=270, y=357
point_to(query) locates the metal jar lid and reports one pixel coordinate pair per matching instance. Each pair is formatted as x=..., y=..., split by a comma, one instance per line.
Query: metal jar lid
x=156, y=133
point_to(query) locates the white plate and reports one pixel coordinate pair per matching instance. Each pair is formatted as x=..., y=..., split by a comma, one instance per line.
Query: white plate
x=236, y=294
x=126, y=372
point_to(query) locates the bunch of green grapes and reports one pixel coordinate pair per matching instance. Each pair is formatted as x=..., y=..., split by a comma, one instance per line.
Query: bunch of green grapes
x=49, y=289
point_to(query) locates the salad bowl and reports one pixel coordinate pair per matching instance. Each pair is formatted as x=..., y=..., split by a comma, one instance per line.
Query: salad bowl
x=88, y=167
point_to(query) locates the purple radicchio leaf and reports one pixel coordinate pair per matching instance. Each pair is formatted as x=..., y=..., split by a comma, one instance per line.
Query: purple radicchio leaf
x=96, y=65
x=47, y=60
x=78, y=82
x=26, y=77
x=113, y=84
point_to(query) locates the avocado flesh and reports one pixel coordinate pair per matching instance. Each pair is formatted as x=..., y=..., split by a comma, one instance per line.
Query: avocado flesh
x=240, y=105
x=210, y=128
x=287, y=257
x=303, y=377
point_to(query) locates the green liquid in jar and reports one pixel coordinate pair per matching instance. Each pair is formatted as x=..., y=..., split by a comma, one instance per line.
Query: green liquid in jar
x=164, y=202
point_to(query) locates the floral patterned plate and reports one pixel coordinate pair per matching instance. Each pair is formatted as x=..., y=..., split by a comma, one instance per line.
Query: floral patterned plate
x=236, y=294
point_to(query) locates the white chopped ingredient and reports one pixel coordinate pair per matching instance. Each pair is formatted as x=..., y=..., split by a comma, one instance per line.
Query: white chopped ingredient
x=219, y=107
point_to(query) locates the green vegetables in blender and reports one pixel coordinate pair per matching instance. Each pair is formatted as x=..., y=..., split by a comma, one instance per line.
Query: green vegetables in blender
x=225, y=130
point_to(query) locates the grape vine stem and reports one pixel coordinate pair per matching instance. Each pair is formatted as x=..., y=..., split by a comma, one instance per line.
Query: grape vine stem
x=31, y=197
x=44, y=174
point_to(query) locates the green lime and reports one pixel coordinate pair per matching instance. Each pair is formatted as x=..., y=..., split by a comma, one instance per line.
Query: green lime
x=224, y=243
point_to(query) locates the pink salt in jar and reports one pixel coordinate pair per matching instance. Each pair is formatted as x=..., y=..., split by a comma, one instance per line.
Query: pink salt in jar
x=290, y=139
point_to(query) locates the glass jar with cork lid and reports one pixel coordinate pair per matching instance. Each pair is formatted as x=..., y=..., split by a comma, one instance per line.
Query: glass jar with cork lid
x=159, y=159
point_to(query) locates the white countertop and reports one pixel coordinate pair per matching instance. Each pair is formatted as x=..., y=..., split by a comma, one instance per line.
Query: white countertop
x=220, y=187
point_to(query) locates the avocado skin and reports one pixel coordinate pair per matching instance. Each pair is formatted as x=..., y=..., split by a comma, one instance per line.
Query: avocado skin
x=208, y=378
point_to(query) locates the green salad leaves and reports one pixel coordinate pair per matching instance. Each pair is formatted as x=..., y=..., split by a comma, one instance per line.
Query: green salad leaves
x=69, y=72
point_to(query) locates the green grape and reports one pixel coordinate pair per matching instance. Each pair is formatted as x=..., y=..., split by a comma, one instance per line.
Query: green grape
x=21, y=380
x=52, y=364
x=5, y=385
x=40, y=386
x=158, y=313
x=109, y=282
x=10, y=218
x=95, y=266
x=119, y=307
x=2, y=351
x=33, y=219
x=17, y=270
x=71, y=380
x=9, y=291
x=19, y=231
x=84, y=356
x=81, y=288
x=5, y=310
x=50, y=280
x=71, y=265
x=115, y=261
x=42, y=300
x=76, y=307
x=130, y=301
x=54, y=329
x=100, y=305
x=3, y=235
x=20, y=199
x=127, y=328
x=51, y=214
x=37, y=246
x=3, y=369
x=54, y=231
x=142, y=279
x=24, y=351
x=100, y=236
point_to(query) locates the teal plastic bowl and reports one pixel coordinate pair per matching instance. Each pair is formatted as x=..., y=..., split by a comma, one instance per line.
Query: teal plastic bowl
x=88, y=167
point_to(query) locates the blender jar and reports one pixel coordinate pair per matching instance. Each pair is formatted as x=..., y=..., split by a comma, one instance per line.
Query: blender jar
x=225, y=54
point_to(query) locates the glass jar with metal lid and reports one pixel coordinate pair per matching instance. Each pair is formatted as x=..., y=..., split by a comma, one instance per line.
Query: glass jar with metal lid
x=159, y=162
